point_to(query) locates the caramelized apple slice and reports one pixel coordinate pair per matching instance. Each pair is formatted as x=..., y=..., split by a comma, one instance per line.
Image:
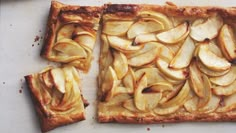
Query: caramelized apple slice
x=166, y=111
x=129, y=80
x=179, y=98
x=129, y=105
x=225, y=90
x=116, y=28
x=227, y=42
x=212, y=46
x=207, y=30
x=209, y=72
x=144, y=38
x=144, y=26
x=122, y=45
x=211, y=60
x=196, y=79
x=229, y=104
x=47, y=79
x=179, y=74
x=161, y=86
x=174, y=35
x=109, y=78
x=152, y=74
x=143, y=59
x=206, y=94
x=120, y=64
x=183, y=57
x=86, y=41
x=58, y=78
x=158, y=16
x=69, y=47
x=191, y=104
x=65, y=31
x=226, y=79
x=211, y=106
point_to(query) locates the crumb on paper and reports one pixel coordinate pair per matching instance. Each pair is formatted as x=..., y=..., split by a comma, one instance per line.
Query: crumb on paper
x=4, y=83
x=32, y=45
x=36, y=38
x=20, y=91
x=148, y=129
x=163, y=125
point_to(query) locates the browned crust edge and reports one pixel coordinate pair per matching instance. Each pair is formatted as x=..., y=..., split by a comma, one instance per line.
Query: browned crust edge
x=46, y=121
x=127, y=10
x=57, y=8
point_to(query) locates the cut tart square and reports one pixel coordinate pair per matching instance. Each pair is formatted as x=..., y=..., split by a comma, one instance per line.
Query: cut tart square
x=167, y=64
x=57, y=96
x=71, y=34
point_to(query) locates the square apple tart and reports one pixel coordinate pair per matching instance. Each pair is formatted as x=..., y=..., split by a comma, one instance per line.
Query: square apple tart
x=57, y=96
x=167, y=64
x=71, y=34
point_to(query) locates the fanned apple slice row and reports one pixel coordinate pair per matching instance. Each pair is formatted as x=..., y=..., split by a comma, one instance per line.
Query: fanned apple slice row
x=144, y=38
x=179, y=74
x=68, y=47
x=123, y=45
x=120, y=64
x=144, y=26
x=179, y=98
x=184, y=55
x=174, y=35
x=116, y=28
x=152, y=74
x=196, y=79
x=209, y=72
x=211, y=106
x=58, y=78
x=227, y=42
x=229, y=104
x=226, y=79
x=225, y=90
x=158, y=16
x=143, y=59
x=207, y=30
x=211, y=60
x=207, y=92
x=65, y=31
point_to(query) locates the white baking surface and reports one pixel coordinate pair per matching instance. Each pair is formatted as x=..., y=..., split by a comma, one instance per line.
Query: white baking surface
x=21, y=21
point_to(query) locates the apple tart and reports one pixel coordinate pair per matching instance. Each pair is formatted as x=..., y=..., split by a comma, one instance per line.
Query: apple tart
x=57, y=96
x=71, y=34
x=167, y=64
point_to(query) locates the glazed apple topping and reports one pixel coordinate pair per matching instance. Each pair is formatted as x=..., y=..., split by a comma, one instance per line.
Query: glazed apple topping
x=163, y=67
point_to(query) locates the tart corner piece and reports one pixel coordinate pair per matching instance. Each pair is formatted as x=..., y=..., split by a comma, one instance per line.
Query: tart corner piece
x=167, y=64
x=57, y=97
x=71, y=34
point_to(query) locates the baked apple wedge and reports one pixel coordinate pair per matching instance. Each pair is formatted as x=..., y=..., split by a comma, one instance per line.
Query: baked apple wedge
x=116, y=28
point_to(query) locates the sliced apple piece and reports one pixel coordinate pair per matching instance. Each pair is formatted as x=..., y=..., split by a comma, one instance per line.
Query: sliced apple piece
x=207, y=30
x=183, y=57
x=120, y=64
x=227, y=42
x=229, y=104
x=179, y=98
x=179, y=74
x=158, y=16
x=152, y=74
x=143, y=59
x=209, y=72
x=211, y=60
x=211, y=106
x=109, y=78
x=174, y=35
x=65, y=31
x=69, y=47
x=214, y=48
x=196, y=79
x=129, y=80
x=144, y=38
x=226, y=79
x=129, y=105
x=225, y=90
x=123, y=45
x=161, y=86
x=191, y=104
x=167, y=111
x=151, y=100
x=47, y=79
x=58, y=78
x=206, y=94
x=86, y=40
x=144, y=26
x=116, y=28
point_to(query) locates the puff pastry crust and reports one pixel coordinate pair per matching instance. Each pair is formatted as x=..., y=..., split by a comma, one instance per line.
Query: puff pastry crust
x=57, y=96
x=71, y=34
x=151, y=64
